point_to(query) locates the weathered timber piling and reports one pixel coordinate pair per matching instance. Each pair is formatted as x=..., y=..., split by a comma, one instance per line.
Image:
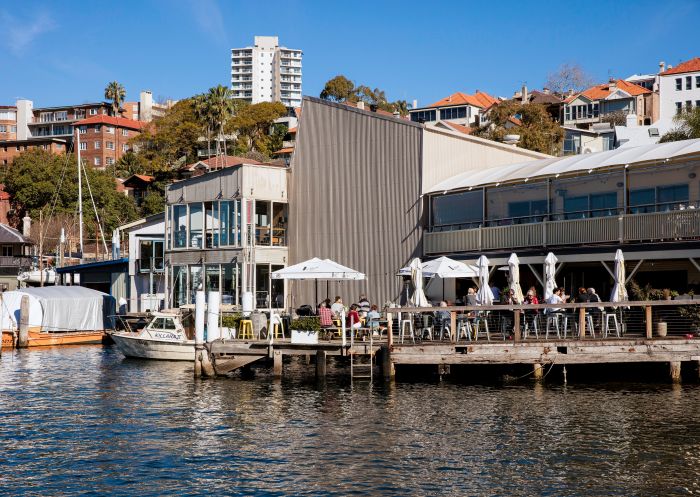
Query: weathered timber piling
x=277, y=364
x=202, y=365
x=675, y=371
x=23, y=337
x=320, y=364
x=388, y=370
x=538, y=371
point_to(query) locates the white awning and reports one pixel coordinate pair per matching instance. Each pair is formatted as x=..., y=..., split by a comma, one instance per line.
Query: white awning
x=317, y=269
x=563, y=165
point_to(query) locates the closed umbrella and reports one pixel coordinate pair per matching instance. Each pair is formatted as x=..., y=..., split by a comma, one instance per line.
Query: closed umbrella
x=444, y=267
x=418, y=299
x=514, y=278
x=484, y=295
x=619, y=292
x=550, y=268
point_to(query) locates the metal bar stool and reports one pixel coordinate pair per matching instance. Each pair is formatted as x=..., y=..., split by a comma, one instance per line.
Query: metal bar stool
x=478, y=320
x=607, y=317
x=246, y=329
x=407, y=323
x=464, y=329
x=553, y=320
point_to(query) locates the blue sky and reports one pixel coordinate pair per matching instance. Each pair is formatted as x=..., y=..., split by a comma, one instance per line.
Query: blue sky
x=65, y=52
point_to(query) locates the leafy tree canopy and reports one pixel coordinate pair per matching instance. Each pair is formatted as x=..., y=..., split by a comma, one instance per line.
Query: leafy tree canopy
x=687, y=126
x=341, y=89
x=538, y=131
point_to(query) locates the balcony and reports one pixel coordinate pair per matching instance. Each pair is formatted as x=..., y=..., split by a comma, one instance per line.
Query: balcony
x=16, y=261
x=655, y=227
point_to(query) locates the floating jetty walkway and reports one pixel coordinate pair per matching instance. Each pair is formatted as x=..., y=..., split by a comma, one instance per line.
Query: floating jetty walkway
x=631, y=332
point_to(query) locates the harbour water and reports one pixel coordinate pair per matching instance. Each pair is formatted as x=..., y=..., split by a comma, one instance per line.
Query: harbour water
x=85, y=421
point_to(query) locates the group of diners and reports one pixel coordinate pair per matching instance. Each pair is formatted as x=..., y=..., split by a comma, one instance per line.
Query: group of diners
x=358, y=316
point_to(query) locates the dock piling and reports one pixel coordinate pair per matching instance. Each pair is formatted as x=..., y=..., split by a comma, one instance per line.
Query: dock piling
x=23, y=337
x=202, y=365
x=538, y=372
x=675, y=371
x=388, y=369
x=277, y=364
x=320, y=364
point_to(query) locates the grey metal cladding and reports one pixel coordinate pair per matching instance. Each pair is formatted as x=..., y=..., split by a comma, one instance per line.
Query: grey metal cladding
x=355, y=198
x=223, y=184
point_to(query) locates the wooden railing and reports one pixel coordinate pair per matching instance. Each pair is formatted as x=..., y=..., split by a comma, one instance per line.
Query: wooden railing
x=661, y=226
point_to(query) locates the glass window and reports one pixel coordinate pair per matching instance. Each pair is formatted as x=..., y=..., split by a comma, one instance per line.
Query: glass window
x=180, y=226
x=567, y=113
x=603, y=204
x=262, y=222
x=277, y=289
x=179, y=285
x=642, y=200
x=671, y=197
x=212, y=224
x=262, y=285
x=688, y=82
x=195, y=282
x=211, y=281
x=679, y=84
x=279, y=224
x=224, y=210
x=230, y=284
x=679, y=107
x=196, y=225
x=576, y=207
x=697, y=81
x=458, y=210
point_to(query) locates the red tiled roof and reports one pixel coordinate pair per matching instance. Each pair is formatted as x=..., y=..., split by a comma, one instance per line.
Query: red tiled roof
x=479, y=99
x=692, y=65
x=600, y=92
x=144, y=177
x=292, y=130
x=221, y=162
x=458, y=127
x=287, y=150
x=121, y=122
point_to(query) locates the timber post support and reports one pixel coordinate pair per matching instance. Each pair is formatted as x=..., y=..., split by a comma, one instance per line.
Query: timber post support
x=453, y=326
x=389, y=330
x=582, y=323
x=675, y=371
x=277, y=363
x=23, y=336
x=517, y=334
x=647, y=318
x=388, y=369
x=320, y=364
x=538, y=371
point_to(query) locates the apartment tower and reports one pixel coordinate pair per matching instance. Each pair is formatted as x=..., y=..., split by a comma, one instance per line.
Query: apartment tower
x=266, y=72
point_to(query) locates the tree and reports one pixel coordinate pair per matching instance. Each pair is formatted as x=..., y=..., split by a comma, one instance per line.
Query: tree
x=687, y=126
x=252, y=125
x=153, y=203
x=615, y=118
x=338, y=89
x=116, y=93
x=38, y=181
x=130, y=163
x=219, y=109
x=401, y=106
x=537, y=130
x=568, y=77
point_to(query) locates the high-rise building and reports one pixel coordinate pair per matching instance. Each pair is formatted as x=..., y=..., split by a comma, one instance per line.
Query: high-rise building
x=266, y=72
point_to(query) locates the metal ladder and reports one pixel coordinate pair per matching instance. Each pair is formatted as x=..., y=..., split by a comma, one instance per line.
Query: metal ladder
x=362, y=370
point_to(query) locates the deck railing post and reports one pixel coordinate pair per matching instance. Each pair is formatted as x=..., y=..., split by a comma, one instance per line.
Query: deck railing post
x=647, y=318
x=582, y=323
x=389, y=330
x=516, y=326
x=453, y=325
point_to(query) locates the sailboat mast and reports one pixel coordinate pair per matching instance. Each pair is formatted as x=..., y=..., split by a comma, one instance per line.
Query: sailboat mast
x=80, y=192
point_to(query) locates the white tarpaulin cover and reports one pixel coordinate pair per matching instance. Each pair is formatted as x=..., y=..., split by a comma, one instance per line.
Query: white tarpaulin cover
x=317, y=269
x=73, y=308
x=9, y=313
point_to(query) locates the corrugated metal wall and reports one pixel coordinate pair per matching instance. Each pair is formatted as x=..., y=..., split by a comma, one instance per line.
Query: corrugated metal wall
x=355, y=198
x=206, y=187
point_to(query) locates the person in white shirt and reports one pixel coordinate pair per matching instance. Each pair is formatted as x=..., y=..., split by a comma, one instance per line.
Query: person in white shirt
x=337, y=307
x=555, y=299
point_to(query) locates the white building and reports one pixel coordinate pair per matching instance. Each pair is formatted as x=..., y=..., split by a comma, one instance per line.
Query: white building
x=679, y=88
x=267, y=72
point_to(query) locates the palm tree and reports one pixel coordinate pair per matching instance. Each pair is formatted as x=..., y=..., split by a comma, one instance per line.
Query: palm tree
x=202, y=111
x=220, y=110
x=116, y=93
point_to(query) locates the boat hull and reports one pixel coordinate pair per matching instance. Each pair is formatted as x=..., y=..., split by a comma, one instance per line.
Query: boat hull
x=131, y=345
x=43, y=339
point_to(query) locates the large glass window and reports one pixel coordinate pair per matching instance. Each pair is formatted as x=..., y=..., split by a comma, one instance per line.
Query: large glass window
x=211, y=278
x=279, y=224
x=262, y=222
x=150, y=256
x=212, y=224
x=457, y=211
x=424, y=116
x=224, y=210
x=196, y=225
x=277, y=289
x=576, y=207
x=453, y=113
x=195, y=282
x=262, y=285
x=179, y=226
x=179, y=285
x=642, y=200
x=230, y=284
x=525, y=203
x=672, y=197
x=603, y=204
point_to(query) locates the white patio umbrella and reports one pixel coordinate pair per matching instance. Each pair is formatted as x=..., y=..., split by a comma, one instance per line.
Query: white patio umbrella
x=444, y=267
x=619, y=292
x=484, y=295
x=418, y=298
x=514, y=278
x=550, y=268
x=317, y=269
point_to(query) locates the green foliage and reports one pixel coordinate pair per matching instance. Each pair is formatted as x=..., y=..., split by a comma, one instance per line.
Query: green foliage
x=252, y=125
x=538, y=131
x=130, y=163
x=687, y=126
x=646, y=292
x=34, y=177
x=338, y=89
x=153, y=203
x=231, y=320
x=341, y=89
x=310, y=323
x=116, y=93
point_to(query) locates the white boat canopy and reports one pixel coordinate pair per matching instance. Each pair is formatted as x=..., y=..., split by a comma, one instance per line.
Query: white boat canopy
x=444, y=267
x=73, y=308
x=317, y=269
x=543, y=168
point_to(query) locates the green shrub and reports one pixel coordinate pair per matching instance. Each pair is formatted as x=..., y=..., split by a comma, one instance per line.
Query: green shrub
x=310, y=323
x=231, y=320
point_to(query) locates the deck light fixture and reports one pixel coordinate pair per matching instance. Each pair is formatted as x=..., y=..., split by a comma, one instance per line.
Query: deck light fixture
x=692, y=175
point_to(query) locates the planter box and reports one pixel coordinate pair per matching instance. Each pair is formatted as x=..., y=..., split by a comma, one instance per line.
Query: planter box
x=305, y=337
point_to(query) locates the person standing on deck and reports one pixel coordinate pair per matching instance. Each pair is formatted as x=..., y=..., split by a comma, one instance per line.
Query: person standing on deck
x=364, y=305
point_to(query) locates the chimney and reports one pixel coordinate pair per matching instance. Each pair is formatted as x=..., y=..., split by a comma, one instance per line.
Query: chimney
x=669, y=67
x=26, y=226
x=571, y=92
x=545, y=90
x=612, y=85
x=523, y=95
x=415, y=104
x=631, y=120
x=361, y=105
x=662, y=66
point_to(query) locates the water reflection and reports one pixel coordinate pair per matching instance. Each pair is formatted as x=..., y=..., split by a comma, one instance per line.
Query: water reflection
x=84, y=420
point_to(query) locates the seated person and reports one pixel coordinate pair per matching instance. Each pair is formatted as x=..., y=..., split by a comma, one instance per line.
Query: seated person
x=373, y=319
x=325, y=315
x=555, y=299
x=442, y=315
x=353, y=318
x=337, y=307
x=364, y=306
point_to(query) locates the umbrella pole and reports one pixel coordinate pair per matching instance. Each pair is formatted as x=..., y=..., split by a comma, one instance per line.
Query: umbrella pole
x=316, y=291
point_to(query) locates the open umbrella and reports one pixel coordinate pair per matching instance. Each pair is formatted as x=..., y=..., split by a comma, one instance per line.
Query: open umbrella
x=514, y=278
x=550, y=268
x=619, y=292
x=317, y=269
x=418, y=299
x=444, y=267
x=484, y=295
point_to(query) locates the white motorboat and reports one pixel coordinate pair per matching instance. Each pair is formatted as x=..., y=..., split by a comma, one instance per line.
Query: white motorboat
x=34, y=275
x=164, y=338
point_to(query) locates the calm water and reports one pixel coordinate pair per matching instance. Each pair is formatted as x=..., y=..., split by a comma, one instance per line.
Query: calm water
x=84, y=421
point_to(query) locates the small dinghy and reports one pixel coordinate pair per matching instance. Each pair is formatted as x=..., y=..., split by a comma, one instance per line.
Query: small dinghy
x=164, y=338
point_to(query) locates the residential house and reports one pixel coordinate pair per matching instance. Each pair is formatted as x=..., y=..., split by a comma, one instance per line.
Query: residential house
x=137, y=187
x=104, y=139
x=593, y=104
x=597, y=138
x=15, y=255
x=679, y=88
x=459, y=107
x=214, y=164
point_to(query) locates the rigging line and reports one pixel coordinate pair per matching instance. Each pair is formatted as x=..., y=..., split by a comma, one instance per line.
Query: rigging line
x=58, y=190
x=94, y=207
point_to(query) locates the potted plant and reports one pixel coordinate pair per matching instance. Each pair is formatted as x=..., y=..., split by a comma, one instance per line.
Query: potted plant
x=305, y=330
x=230, y=324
